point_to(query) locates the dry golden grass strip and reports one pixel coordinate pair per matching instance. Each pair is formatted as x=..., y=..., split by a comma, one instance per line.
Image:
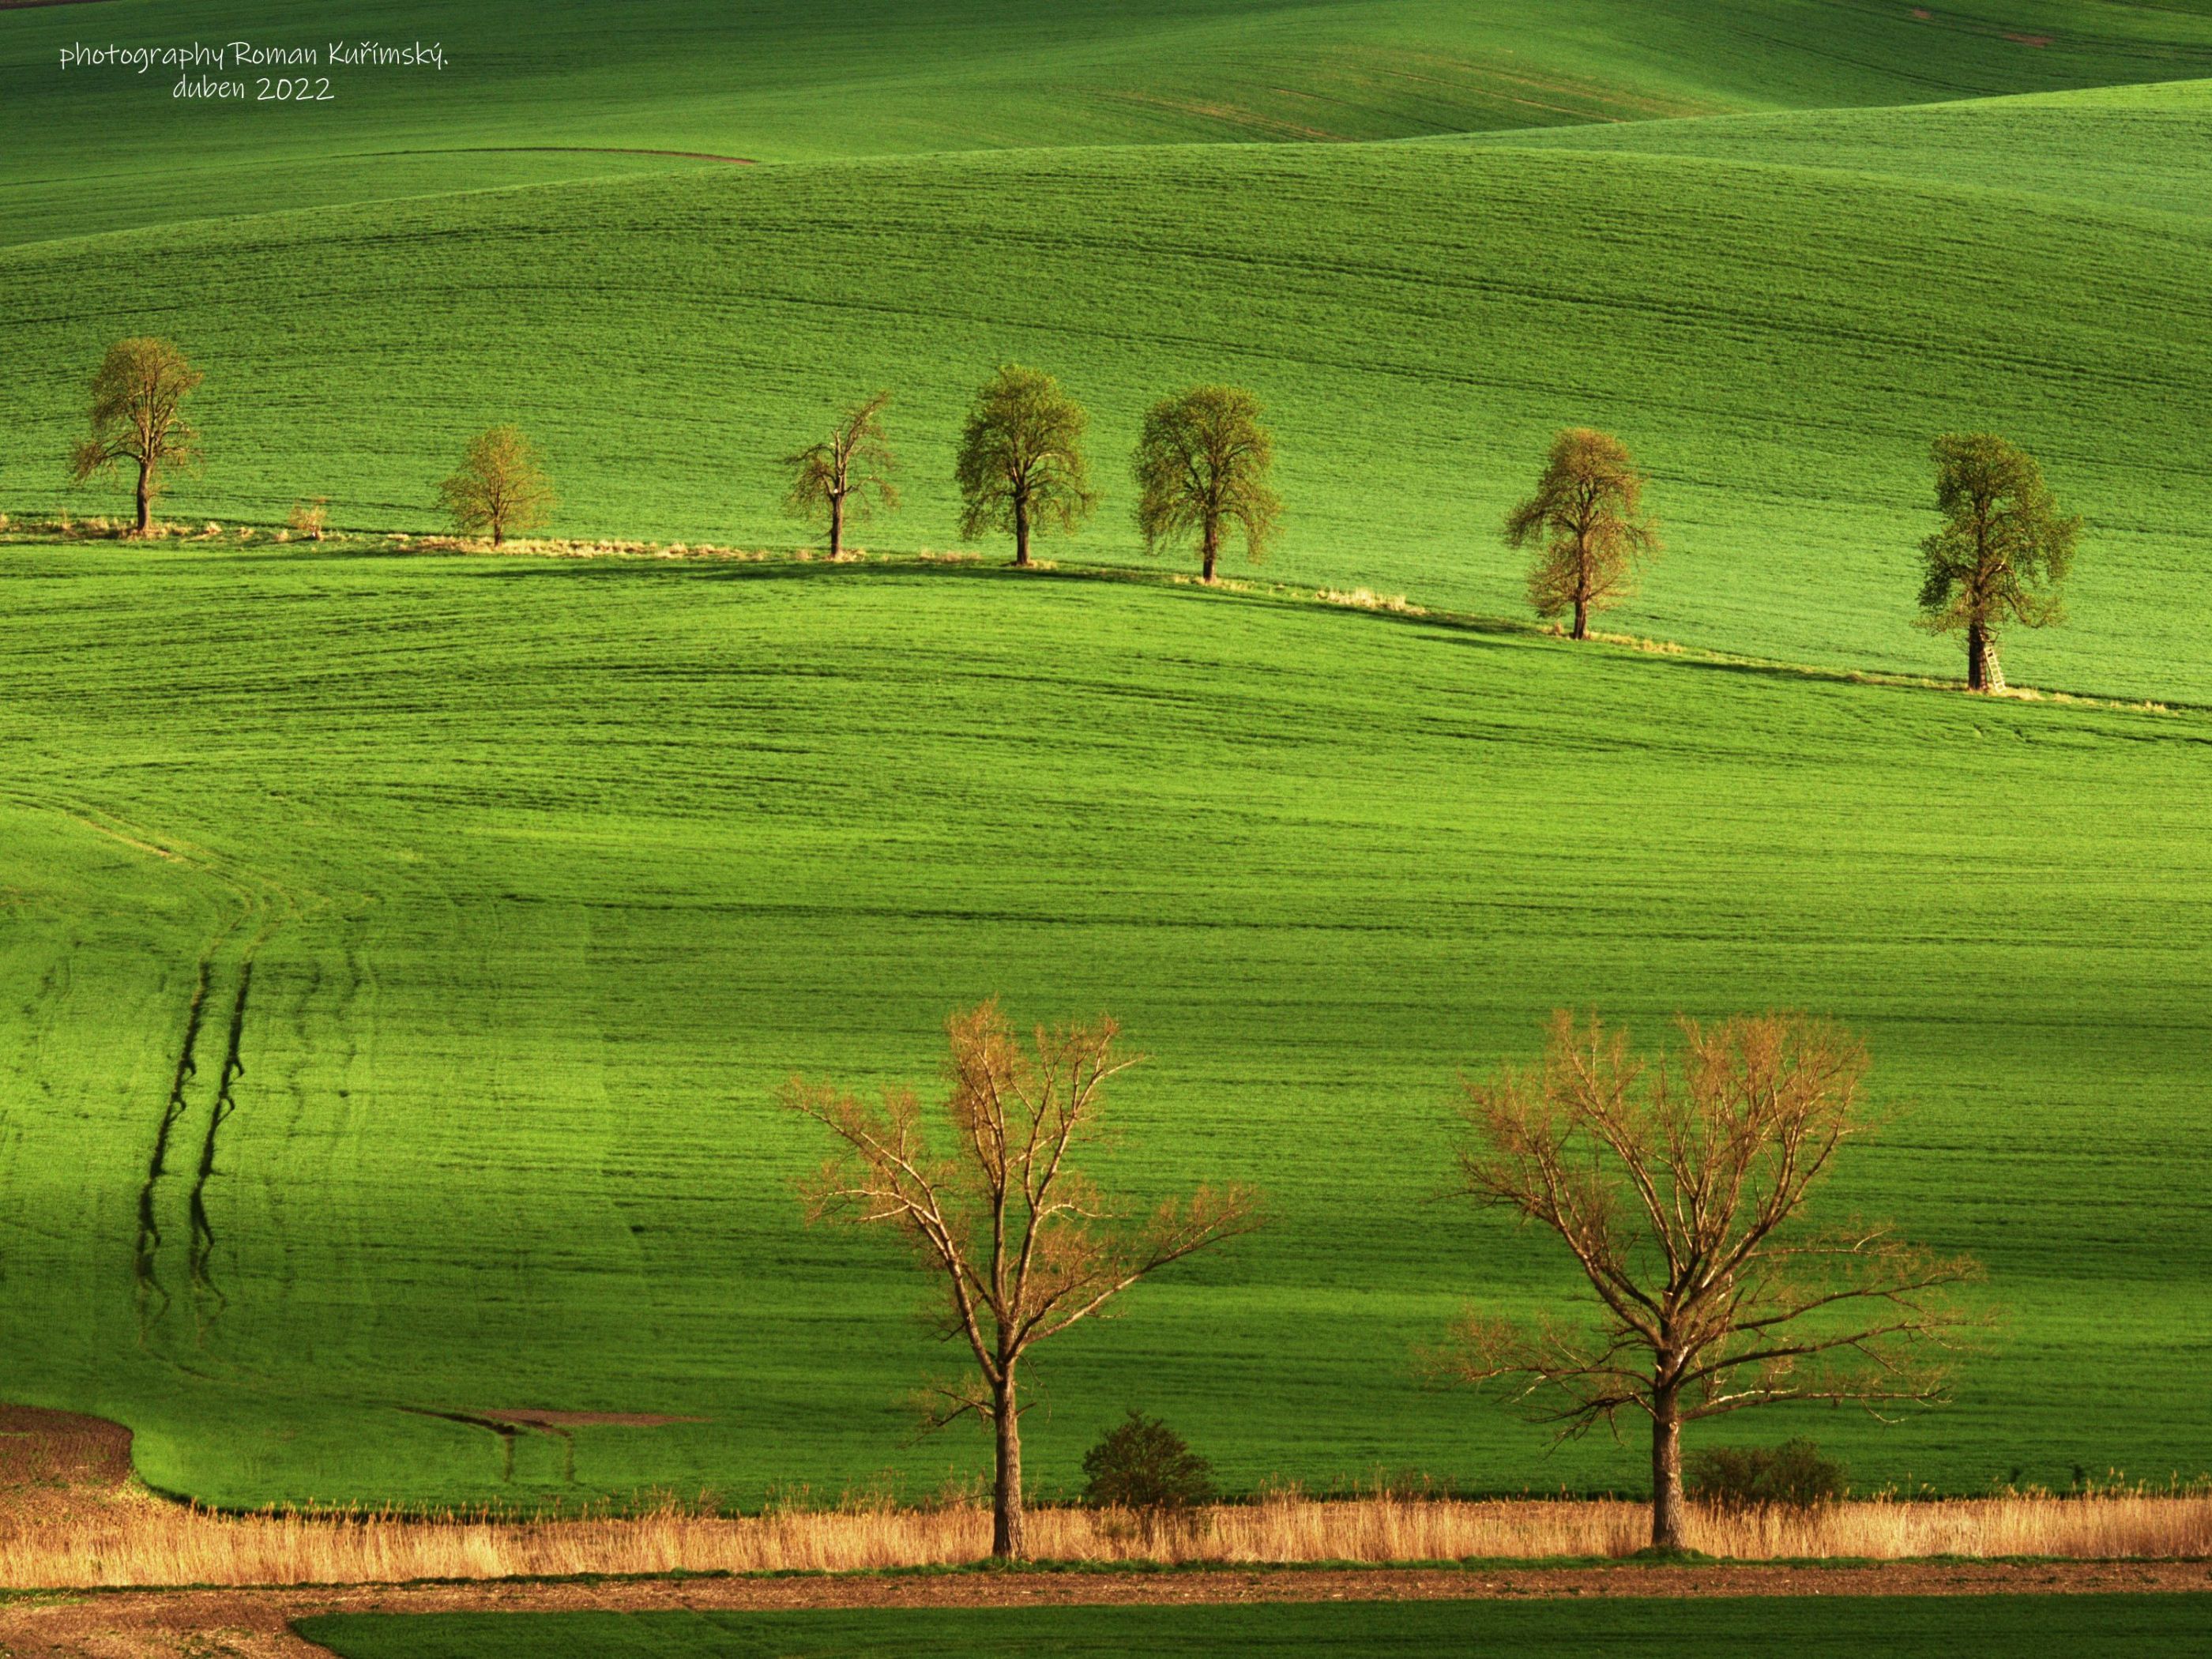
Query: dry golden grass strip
x=130, y=1538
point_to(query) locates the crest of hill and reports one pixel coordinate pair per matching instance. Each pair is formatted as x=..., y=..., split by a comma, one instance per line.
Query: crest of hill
x=2148, y=147
x=581, y=91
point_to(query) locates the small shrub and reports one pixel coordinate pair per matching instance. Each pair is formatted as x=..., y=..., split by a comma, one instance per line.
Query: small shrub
x=1144, y=1466
x=308, y=517
x=1793, y=1476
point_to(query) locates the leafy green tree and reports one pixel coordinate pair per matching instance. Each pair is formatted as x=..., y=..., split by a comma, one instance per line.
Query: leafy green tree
x=1586, y=516
x=138, y=417
x=1201, y=465
x=501, y=485
x=1021, y=466
x=2002, y=555
x=847, y=472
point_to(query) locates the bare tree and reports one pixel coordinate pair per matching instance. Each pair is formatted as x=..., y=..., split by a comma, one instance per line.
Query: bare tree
x=1679, y=1192
x=1201, y=464
x=1021, y=1241
x=2002, y=555
x=137, y=415
x=501, y=485
x=849, y=469
x=1587, y=517
x=1021, y=466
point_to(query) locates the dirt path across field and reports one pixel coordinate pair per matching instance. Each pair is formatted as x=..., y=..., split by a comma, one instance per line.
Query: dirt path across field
x=256, y=1624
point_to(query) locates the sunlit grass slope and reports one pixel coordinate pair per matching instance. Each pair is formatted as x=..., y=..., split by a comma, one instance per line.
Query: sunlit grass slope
x=1833, y=1627
x=2143, y=147
x=548, y=873
x=1777, y=343
x=97, y=149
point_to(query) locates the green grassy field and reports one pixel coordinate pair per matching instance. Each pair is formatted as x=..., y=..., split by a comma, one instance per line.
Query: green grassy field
x=107, y=147
x=551, y=871
x=1455, y=305
x=521, y=883
x=1837, y=1626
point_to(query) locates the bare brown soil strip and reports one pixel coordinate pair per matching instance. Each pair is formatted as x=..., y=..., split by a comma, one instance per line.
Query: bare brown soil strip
x=48, y=1450
x=139, y=1624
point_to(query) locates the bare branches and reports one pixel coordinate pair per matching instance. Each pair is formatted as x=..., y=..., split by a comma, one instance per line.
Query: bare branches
x=1680, y=1191
x=1027, y=1243
x=1021, y=1241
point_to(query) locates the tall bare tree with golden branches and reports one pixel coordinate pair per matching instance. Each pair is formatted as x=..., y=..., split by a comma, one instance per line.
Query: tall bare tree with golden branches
x=1021, y=1243
x=1679, y=1189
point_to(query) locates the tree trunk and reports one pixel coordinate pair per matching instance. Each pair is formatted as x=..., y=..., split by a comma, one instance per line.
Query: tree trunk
x=145, y=498
x=1668, y=1530
x=1021, y=530
x=1978, y=657
x=498, y=532
x=1209, y=545
x=1582, y=617
x=836, y=525
x=1007, y=1542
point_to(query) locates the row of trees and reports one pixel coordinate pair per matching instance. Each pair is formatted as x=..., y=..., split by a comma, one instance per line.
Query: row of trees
x=2001, y=556
x=1203, y=465
x=1679, y=1187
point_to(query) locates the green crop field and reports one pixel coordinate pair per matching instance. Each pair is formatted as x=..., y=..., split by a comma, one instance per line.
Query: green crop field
x=551, y=871
x=514, y=887
x=1746, y=1629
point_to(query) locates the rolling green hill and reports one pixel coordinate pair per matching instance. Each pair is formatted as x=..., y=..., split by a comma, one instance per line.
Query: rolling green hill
x=514, y=887
x=549, y=873
x=2122, y=147
x=102, y=146
x=1778, y=343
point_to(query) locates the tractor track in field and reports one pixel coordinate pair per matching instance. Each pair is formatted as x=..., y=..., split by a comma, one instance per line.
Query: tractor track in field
x=203, y=1246
x=256, y=1623
x=149, y=1241
x=259, y=908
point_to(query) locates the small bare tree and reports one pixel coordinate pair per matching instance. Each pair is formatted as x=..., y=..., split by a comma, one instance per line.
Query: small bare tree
x=1201, y=464
x=1587, y=518
x=849, y=469
x=1022, y=1243
x=501, y=485
x=138, y=394
x=1680, y=1193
